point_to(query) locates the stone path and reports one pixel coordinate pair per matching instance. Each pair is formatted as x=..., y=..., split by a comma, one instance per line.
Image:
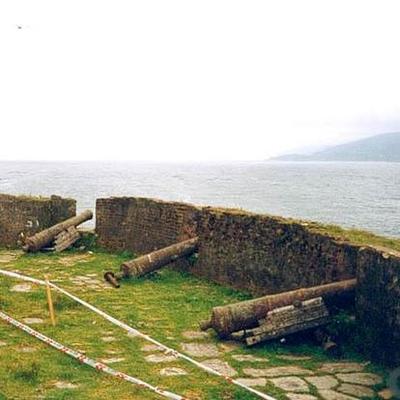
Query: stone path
x=332, y=395
x=288, y=357
x=291, y=384
x=248, y=358
x=108, y=339
x=324, y=382
x=160, y=358
x=32, y=321
x=72, y=260
x=89, y=282
x=173, y=372
x=22, y=287
x=151, y=347
x=220, y=366
x=8, y=257
x=252, y=382
x=112, y=360
x=386, y=394
x=299, y=396
x=65, y=385
x=27, y=349
x=342, y=367
x=356, y=390
x=112, y=352
x=277, y=371
x=327, y=381
x=193, y=335
x=360, y=378
x=201, y=350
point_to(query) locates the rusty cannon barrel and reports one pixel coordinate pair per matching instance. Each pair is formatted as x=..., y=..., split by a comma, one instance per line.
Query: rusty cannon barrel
x=245, y=315
x=45, y=237
x=157, y=259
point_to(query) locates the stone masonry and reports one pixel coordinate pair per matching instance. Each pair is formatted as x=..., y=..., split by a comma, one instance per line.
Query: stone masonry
x=30, y=215
x=263, y=254
x=143, y=225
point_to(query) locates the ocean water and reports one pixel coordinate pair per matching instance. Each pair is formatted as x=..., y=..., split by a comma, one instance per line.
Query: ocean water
x=362, y=195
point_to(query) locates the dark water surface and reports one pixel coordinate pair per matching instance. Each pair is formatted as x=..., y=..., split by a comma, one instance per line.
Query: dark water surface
x=363, y=195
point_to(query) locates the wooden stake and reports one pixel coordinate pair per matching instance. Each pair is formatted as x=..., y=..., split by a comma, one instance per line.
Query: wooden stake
x=50, y=301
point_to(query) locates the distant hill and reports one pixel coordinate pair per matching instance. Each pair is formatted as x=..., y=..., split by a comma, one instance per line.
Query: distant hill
x=384, y=147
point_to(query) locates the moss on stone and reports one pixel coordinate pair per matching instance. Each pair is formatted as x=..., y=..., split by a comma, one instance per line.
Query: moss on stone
x=352, y=236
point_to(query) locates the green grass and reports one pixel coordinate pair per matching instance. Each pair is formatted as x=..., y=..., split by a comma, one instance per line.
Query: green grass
x=356, y=236
x=163, y=305
x=25, y=197
x=27, y=373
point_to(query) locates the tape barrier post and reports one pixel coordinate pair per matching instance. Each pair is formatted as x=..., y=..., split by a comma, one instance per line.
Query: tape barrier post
x=135, y=332
x=50, y=301
x=88, y=361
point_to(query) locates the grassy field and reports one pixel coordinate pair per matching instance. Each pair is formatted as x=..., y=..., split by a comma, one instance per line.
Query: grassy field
x=163, y=306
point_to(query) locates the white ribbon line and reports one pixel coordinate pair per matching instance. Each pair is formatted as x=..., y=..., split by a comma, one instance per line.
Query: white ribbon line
x=88, y=361
x=135, y=332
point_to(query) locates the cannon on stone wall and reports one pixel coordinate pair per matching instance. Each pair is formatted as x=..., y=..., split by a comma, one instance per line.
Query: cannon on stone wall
x=63, y=234
x=246, y=315
x=154, y=261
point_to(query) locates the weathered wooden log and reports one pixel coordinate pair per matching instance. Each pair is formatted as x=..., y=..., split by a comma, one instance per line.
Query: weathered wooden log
x=246, y=314
x=157, y=259
x=62, y=236
x=66, y=239
x=287, y=320
x=46, y=237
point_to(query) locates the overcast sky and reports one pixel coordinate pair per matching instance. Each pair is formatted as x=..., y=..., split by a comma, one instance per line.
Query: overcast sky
x=194, y=80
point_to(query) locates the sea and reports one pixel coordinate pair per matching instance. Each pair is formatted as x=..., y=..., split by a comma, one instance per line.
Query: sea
x=350, y=194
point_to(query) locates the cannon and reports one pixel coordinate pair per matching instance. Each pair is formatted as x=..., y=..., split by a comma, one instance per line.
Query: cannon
x=47, y=236
x=151, y=262
x=231, y=318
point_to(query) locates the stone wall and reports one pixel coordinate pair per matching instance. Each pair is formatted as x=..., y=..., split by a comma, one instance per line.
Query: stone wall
x=257, y=253
x=378, y=305
x=264, y=254
x=142, y=225
x=30, y=215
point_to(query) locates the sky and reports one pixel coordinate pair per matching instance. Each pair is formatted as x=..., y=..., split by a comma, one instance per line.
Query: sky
x=194, y=80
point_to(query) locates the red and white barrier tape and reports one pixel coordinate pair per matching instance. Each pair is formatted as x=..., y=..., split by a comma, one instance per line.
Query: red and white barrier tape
x=135, y=332
x=88, y=361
